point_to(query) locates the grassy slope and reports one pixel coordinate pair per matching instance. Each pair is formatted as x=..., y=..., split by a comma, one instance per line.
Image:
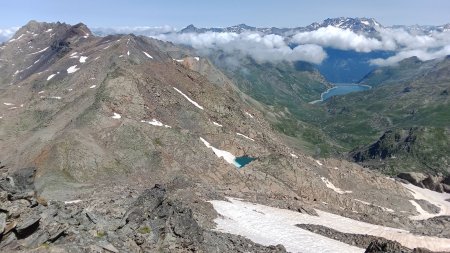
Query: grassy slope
x=286, y=90
x=420, y=101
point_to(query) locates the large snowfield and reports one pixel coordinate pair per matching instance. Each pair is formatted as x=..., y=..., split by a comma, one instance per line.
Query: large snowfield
x=271, y=226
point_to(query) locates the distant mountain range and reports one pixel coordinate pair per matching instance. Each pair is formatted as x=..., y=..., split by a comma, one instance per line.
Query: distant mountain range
x=367, y=26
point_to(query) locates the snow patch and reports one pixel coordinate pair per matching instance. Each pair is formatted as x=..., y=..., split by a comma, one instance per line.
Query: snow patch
x=381, y=207
x=334, y=188
x=39, y=51
x=318, y=162
x=217, y=124
x=197, y=58
x=155, y=122
x=8, y=104
x=93, y=86
x=246, y=137
x=190, y=100
x=294, y=155
x=248, y=114
x=72, y=202
x=72, y=69
x=436, y=198
x=116, y=116
x=128, y=53
x=227, y=156
x=50, y=77
x=149, y=56
x=83, y=59
x=270, y=226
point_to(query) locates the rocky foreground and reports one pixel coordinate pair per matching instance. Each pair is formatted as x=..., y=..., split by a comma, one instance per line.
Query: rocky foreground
x=159, y=219
x=149, y=222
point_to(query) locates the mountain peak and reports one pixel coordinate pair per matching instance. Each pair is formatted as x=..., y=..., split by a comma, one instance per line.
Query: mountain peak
x=189, y=29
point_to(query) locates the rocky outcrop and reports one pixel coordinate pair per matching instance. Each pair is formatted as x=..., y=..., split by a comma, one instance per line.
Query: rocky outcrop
x=404, y=150
x=434, y=183
x=385, y=246
x=155, y=221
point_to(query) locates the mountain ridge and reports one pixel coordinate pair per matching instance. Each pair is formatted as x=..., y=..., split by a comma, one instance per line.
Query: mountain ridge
x=133, y=142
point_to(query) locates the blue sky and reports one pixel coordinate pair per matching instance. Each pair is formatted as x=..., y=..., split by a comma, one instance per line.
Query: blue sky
x=204, y=13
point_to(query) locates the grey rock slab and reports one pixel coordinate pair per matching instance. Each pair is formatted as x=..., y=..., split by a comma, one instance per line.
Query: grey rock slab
x=2, y=222
x=108, y=246
x=28, y=227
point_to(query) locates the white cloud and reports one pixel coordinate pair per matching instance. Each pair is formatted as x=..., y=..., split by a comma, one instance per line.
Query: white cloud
x=338, y=38
x=422, y=54
x=405, y=44
x=138, y=30
x=6, y=34
x=262, y=48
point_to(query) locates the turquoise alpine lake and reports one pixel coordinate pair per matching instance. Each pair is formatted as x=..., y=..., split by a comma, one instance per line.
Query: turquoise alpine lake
x=243, y=160
x=341, y=89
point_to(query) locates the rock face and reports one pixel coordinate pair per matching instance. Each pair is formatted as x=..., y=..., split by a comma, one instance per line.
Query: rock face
x=418, y=149
x=434, y=183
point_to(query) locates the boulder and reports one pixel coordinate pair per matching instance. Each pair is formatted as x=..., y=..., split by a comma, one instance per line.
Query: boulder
x=433, y=183
x=384, y=246
x=414, y=178
x=27, y=227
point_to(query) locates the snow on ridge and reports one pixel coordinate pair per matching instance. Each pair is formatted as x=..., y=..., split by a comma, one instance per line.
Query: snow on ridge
x=227, y=156
x=49, y=30
x=246, y=137
x=332, y=187
x=146, y=54
x=50, y=77
x=190, y=100
x=197, y=58
x=116, y=116
x=72, y=69
x=155, y=122
x=270, y=226
x=83, y=59
x=40, y=51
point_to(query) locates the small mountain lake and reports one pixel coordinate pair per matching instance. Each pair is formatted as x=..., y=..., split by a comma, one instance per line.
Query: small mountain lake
x=243, y=160
x=341, y=89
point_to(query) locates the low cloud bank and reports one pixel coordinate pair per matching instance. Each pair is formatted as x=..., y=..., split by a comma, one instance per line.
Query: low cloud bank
x=262, y=48
x=309, y=46
x=424, y=46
